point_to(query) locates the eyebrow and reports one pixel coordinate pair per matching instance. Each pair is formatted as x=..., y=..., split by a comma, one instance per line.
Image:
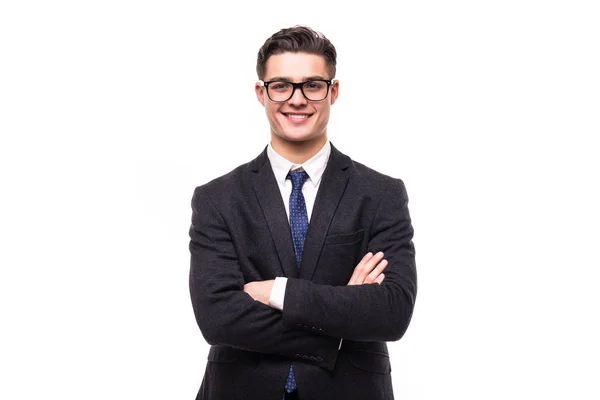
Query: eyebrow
x=304, y=79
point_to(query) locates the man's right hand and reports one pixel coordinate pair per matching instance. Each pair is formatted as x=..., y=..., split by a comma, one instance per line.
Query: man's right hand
x=369, y=270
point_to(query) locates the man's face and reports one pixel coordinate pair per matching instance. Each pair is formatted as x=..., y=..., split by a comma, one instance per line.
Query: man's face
x=297, y=119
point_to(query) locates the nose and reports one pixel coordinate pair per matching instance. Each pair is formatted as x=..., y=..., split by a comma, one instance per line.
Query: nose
x=297, y=98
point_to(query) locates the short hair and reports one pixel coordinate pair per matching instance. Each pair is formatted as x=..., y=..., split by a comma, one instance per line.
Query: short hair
x=298, y=39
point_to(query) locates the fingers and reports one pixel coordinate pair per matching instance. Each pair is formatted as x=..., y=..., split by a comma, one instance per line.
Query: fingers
x=376, y=272
x=354, y=279
x=380, y=279
x=368, y=269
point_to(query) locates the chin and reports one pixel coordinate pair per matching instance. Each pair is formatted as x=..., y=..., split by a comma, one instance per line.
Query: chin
x=299, y=137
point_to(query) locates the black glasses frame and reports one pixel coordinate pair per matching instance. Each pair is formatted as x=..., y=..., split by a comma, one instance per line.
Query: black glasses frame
x=298, y=85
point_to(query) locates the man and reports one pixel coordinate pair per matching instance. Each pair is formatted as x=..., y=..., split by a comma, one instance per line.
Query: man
x=288, y=251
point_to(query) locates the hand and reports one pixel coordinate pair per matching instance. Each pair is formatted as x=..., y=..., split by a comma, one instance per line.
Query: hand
x=260, y=290
x=369, y=270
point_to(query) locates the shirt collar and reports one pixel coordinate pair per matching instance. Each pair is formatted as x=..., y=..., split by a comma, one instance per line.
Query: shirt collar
x=314, y=167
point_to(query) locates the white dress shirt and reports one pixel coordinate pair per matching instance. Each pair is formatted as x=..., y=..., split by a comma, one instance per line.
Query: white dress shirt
x=314, y=169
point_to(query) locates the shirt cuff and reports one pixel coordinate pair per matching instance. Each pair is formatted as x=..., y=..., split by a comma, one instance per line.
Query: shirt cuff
x=278, y=293
x=341, y=340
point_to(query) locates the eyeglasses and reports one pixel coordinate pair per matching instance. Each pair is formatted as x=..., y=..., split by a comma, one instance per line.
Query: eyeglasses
x=313, y=90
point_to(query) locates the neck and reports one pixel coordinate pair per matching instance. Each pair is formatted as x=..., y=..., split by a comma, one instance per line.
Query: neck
x=298, y=152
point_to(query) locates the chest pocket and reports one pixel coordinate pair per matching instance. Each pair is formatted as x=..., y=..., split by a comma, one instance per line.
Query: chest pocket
x=346, y=238
x=340, y=255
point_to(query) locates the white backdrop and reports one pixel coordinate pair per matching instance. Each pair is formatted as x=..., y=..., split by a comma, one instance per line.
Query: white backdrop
x=112, y=112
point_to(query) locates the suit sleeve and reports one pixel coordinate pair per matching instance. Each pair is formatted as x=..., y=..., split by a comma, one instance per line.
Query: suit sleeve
x=226, y=314
x=368, y=312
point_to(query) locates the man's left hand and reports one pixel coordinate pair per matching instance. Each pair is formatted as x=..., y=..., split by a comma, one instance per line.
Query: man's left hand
x=260, y=290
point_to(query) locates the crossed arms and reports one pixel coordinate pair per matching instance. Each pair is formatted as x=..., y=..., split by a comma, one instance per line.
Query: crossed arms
x=315, y=316
x=369, y=270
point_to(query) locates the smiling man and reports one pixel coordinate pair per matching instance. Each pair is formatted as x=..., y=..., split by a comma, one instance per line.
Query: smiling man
x=302, y=260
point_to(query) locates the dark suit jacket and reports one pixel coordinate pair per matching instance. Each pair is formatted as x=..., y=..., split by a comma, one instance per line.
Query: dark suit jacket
x=240, y=233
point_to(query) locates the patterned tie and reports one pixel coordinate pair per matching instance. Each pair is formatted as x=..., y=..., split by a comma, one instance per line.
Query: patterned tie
x=299, y=226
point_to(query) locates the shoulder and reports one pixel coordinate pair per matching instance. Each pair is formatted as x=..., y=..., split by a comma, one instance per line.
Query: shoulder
x=378, y=185
x=367, y=177
x=236, y=181
x=362, y=171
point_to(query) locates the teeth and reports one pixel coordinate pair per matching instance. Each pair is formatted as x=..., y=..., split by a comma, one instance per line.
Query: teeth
x=297, y=116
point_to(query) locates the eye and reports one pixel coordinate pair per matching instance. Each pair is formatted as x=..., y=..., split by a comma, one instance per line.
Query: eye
x=314, y=85
x=279, y=86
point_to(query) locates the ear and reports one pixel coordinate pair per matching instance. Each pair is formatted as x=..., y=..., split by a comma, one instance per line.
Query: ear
x=335, y=90
x=260, y=93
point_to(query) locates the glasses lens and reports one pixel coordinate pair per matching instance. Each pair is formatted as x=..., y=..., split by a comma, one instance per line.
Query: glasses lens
x=315, y=90
x=280, y=91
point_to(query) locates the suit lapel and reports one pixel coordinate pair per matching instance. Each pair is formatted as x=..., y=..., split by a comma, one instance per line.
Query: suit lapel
x=271, y=203
x=331, y=189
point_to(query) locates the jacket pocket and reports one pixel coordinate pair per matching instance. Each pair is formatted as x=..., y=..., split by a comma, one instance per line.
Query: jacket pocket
x=346, y=238
x=370, y=362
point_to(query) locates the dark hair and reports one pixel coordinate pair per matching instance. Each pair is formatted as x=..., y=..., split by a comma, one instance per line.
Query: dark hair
x=299, y=39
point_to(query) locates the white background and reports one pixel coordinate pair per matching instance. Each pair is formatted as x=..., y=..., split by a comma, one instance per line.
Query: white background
x=111, y=112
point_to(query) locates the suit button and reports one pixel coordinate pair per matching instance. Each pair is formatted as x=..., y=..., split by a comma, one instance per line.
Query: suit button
x=319, y=359
x=305, y=357
x=312, y=358
x=297, y=355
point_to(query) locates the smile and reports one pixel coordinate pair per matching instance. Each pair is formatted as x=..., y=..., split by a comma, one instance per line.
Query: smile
x=297, y=117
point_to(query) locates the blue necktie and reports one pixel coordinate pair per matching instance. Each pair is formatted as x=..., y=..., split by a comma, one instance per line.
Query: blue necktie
x=299, y=226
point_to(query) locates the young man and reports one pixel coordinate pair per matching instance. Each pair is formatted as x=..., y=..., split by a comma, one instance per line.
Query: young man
x=302, y=261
